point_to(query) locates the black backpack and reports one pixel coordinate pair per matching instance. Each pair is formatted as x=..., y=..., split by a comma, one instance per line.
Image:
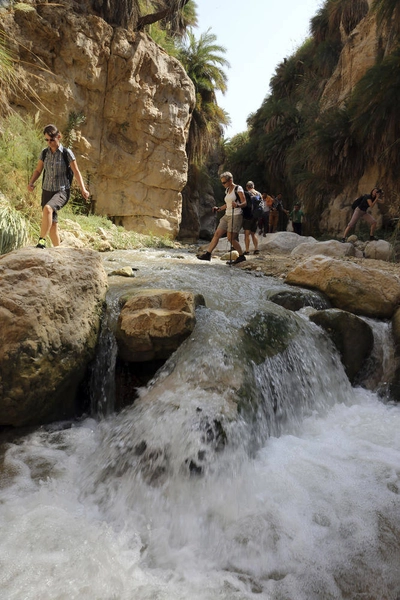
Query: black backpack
x=356, y=203
x=254, y=208
x=70, y=173
x=248, y=209
x=258, y=206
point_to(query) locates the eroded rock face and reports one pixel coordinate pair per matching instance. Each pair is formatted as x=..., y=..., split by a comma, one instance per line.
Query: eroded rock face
x=153, y=323
x=360, y=290
x=136, y=100
x=50, y=308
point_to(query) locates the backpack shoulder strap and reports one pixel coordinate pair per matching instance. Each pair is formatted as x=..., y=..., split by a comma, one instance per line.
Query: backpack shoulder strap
x=65, y=155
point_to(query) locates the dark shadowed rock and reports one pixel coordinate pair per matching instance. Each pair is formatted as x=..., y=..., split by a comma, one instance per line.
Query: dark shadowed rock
x=297, y=299
x=351, y=335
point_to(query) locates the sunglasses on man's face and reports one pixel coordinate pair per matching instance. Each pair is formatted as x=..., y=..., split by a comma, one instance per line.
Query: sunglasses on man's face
x=224, y=182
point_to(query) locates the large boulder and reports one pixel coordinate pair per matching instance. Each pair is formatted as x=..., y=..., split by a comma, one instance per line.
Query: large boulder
x=283, y=242
x=50, y=308
x=349, y=286
x=351, y=335
x=331, y=248
x=379, y=250
x=153, y=323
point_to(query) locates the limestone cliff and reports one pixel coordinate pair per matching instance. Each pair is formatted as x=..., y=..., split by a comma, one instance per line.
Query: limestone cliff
x=137, y=101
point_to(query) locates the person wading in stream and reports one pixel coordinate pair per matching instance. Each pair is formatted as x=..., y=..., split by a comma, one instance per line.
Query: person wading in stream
x=56, y=186
x=231, y=222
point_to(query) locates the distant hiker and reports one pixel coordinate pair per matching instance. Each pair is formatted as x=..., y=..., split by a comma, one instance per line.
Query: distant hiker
x=263, y=221
x=231, y=222
x=59, y=166
x=251, y=213
x=296, y=216
x=360, y=207
x=274, y=205
x=282, y=213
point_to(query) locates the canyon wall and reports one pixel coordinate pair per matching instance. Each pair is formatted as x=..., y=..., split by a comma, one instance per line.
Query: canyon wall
x=136, y=100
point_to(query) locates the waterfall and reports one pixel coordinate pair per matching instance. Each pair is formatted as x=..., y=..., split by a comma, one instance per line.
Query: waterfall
x=102, y=377
x=247, y=468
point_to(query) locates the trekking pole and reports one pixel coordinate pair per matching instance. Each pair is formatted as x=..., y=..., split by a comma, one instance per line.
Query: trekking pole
x=230, y=251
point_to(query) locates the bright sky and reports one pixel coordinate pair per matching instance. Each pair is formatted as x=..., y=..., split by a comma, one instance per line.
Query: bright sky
x=257, y=35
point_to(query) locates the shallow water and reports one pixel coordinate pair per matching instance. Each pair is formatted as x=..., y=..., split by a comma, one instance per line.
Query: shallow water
x=311, y=512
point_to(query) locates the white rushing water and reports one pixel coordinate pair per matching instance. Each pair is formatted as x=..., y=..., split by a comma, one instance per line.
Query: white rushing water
x=311, y=512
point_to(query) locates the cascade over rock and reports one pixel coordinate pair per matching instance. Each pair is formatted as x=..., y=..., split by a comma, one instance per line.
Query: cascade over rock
x=50, y=307
x=135, y=98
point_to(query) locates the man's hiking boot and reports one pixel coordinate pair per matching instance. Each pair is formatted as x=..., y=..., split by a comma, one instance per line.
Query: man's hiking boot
x=205, y=256
x=41, y=243
x=238, y=260
x=246, y=253
x=343, y=240
x=372, y=238
x=256, y=252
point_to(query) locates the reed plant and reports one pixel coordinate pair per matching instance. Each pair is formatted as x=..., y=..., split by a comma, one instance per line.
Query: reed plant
x=14, y=228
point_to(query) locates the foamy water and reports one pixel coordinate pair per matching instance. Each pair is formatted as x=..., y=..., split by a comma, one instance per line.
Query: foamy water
x=313, y=514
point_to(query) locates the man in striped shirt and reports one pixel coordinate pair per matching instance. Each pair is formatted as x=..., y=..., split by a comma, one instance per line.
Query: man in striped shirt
x=55, y=162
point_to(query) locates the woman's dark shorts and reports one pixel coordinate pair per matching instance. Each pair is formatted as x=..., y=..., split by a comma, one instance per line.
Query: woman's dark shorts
x=250, y=225
x=56, y=200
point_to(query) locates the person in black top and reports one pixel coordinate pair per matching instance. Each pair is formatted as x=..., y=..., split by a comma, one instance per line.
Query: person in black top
x=360, y=212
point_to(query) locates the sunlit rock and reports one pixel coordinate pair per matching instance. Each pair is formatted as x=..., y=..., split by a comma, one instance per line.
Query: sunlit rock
x=357, y=289
x=283, y=242
x=329, y=248
x=136, y=101
x=153, y=323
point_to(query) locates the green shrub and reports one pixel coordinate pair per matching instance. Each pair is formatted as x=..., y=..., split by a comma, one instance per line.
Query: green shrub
x=14, y=229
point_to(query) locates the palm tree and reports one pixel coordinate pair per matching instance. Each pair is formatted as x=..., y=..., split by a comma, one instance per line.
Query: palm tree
x=203, y=62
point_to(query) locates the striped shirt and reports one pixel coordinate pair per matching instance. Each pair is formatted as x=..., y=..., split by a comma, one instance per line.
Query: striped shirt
x=55, y=169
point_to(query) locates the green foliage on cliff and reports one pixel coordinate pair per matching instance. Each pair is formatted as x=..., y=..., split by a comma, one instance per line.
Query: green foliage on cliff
x=310, y=153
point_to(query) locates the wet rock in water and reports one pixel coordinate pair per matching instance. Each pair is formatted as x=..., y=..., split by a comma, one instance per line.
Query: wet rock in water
x=352, y=337
x=328, y=248
x=297, y=299
x=123, y=272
